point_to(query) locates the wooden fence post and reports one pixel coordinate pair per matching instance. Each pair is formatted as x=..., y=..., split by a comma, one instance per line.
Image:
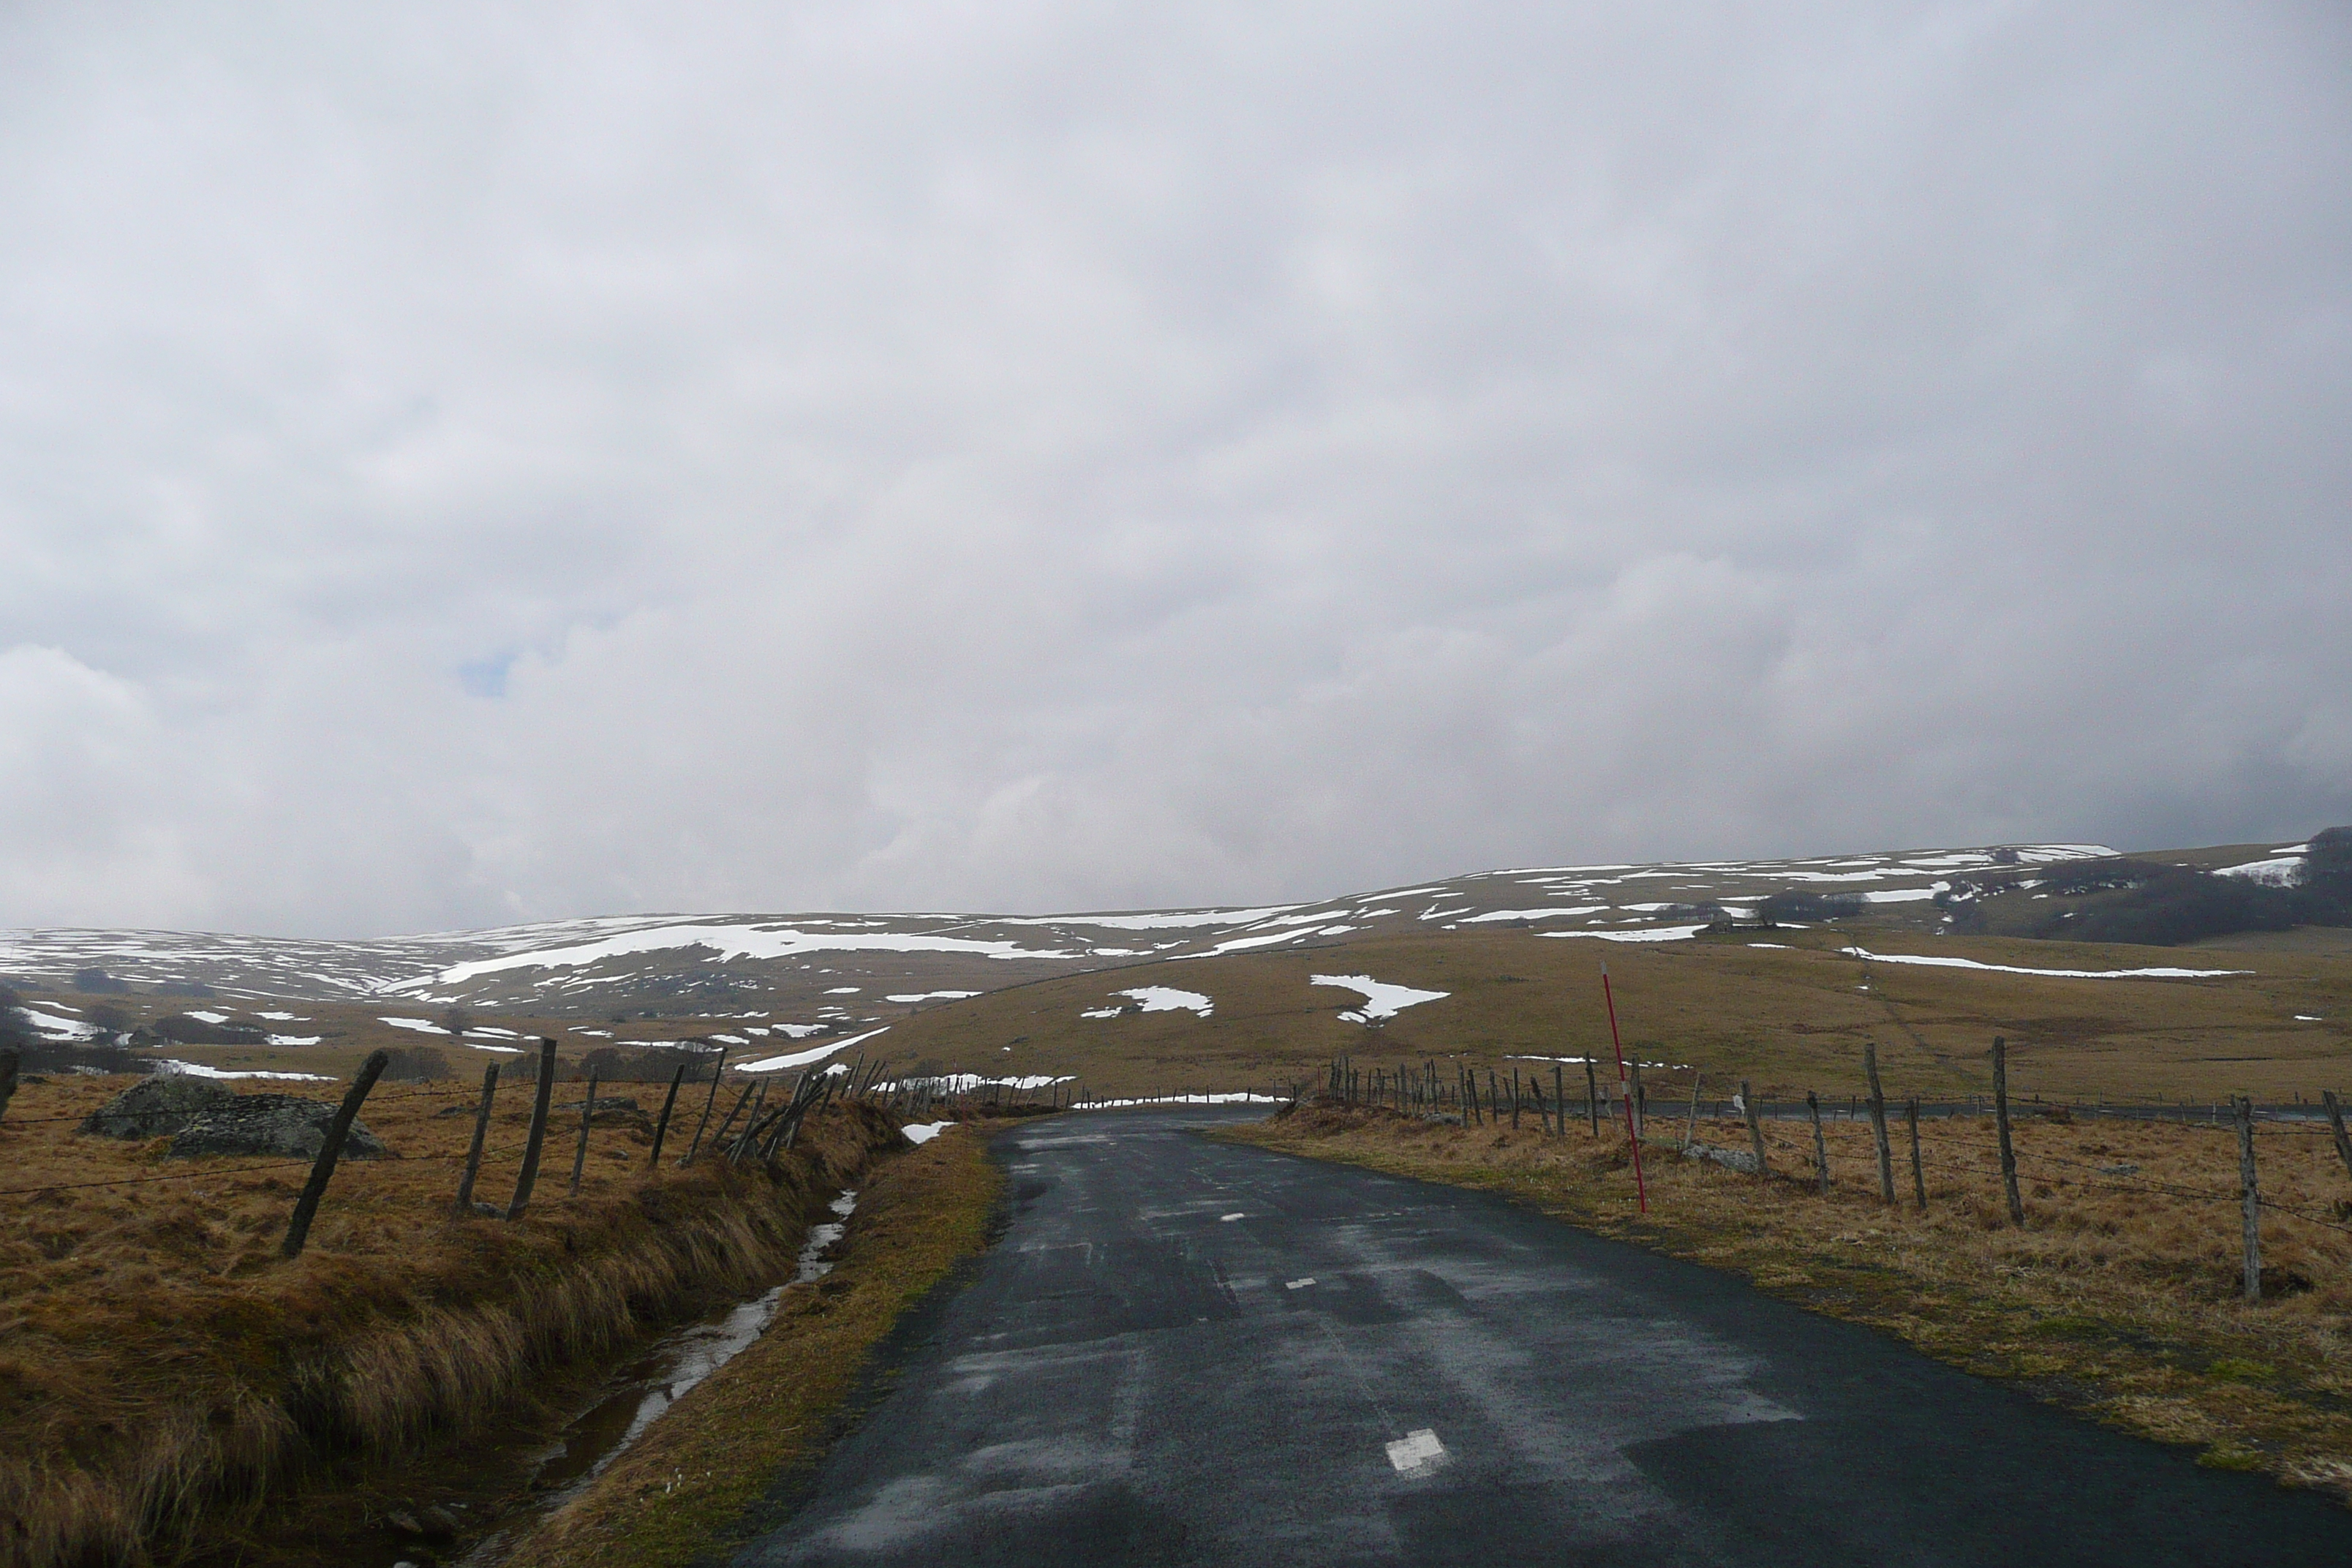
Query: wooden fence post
x=1640, y=1102
x=1918, y=1173
x=1878, y=1125
x=1690, y=1122
x=331, y=1149
x=661, y=1128
x=1755, y=1132
x=529, y=1176
x=1820, y=1150
x=1559, y=1102
x=465, y=1203
x=1591, y=1100
x=717, y=1071
x=2335, y=1124
x=587, y=1114
x=718, y=1138
x=2249, y=1196
x=736, y=1150
x=2001, y=1121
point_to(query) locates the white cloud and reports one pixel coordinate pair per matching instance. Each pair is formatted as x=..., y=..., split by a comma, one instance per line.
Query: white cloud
x=465, y=465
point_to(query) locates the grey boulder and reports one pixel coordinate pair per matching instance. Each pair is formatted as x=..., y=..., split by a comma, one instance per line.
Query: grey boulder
x=282, y=1124
x=154, y=1107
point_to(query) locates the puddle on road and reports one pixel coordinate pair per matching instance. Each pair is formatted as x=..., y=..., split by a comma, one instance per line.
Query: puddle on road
x=643, y=1388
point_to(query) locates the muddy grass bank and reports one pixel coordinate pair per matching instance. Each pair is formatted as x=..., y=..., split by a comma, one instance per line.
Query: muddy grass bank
x=2101, y=1303
x=170, y=1386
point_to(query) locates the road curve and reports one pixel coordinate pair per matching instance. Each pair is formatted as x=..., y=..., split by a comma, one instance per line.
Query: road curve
x=1189, y=1353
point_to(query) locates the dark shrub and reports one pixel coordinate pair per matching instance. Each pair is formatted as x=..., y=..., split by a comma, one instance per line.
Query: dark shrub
x=415, y=1064
x=613, y=1064
x=182, y=1030
x=1805, y=907
x=2179, y=906
x=2077, y=877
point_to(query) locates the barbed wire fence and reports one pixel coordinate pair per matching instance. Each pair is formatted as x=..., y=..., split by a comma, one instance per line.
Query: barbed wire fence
x=1451, y=1092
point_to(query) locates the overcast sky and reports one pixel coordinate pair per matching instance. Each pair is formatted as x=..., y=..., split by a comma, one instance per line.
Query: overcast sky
x=478, y=462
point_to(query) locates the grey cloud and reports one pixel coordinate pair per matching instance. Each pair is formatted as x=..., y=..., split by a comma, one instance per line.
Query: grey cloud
x=1061, y=456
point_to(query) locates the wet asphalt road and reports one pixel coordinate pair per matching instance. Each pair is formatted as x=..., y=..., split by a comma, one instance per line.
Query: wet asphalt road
x=1186, y=1352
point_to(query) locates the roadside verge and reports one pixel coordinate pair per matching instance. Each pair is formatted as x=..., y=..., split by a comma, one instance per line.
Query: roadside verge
x=684, y=1492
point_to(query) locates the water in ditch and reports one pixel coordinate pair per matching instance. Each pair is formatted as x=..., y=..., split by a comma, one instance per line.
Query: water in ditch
x=636, y=1394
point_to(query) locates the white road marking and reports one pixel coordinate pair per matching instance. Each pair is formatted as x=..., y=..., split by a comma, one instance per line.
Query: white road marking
x=1300, y=1284
x=1229, y=1218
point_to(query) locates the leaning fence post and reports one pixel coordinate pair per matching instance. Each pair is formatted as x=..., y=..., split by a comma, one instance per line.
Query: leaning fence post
x=2249, y=1196
x=1639, y=1100
x=718, y=1138
x=1755, y=1132
x=717, y=1070
x=465, y=1203
x=2001, y=1121
x=538, y=1139
x=661, y=1128
x=1878, y=1125
x=331, y=1149
x=1918, y=1173
x=743, y=1139
x=587, y=1114
x=1690, y=1122
x=1820, y=1150
x=1591, y=1098
x=2335, y=1124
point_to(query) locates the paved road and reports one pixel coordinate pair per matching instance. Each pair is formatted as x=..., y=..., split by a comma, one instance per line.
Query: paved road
x=1186, y=1352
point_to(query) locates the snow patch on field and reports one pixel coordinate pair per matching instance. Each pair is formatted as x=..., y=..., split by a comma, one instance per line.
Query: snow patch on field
x=2161, y=972
x=1381, y=1000
x=1639, y=933
x=730, y=942
x=1179, y=919
x=924, y=1131
x=1168, y=999
x=2284, y=871
x=913, y=996
x=801, y=1058
x=1555, y=912
x=198, y=1069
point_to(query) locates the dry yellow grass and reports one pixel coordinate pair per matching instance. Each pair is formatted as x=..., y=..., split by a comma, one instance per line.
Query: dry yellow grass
x=2114, y=1298
x=162, y=1362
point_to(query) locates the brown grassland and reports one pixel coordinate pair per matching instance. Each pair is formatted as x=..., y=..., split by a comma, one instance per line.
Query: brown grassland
x=1790, y=1016
x=166, y=1376
x=2115, y=1298
x=699, y=1475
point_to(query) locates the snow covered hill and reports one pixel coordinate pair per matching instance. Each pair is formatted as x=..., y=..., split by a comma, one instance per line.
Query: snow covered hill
x=833, y=962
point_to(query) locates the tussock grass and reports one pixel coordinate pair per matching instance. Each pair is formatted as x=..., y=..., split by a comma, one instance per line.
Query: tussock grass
x=163, y=1372
x=2114, y=1299
x=695, y=1482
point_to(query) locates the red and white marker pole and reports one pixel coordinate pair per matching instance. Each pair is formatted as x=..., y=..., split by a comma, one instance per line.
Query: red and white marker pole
x=1625, y=1093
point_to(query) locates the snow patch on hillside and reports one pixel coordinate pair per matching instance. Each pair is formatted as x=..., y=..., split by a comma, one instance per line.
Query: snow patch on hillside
x=1381, y=1000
